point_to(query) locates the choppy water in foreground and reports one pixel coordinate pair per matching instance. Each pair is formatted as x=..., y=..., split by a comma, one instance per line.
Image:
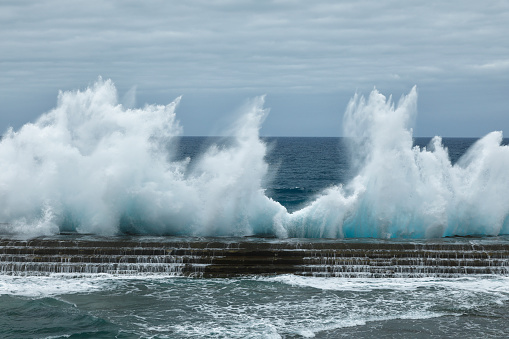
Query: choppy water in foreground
x=258, y=307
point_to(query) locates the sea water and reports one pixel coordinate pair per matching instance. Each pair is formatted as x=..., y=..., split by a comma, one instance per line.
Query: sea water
x=93, y=166
x=253, y=307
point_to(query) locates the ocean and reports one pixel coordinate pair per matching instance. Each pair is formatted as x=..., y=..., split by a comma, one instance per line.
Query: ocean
x=284, y=306
x=252, y=307
x=93, y=168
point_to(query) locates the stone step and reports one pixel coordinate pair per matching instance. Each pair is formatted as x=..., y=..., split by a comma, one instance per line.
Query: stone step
x=233, y=257
x=280, y=252
x=253, y=260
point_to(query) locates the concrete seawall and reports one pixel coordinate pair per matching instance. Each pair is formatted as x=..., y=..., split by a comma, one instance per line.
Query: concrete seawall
x=228, y=257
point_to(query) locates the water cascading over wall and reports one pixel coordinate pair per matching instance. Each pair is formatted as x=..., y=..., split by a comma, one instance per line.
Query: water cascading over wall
x=77, y=256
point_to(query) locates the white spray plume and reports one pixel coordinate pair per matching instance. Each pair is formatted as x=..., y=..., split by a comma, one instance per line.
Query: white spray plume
x=94, y=165
x=405, y=191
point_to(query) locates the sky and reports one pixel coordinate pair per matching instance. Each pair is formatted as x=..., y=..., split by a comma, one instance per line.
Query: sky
x=308, y=57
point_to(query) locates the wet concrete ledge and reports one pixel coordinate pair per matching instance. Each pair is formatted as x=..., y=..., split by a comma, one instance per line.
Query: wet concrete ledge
x=229, y=257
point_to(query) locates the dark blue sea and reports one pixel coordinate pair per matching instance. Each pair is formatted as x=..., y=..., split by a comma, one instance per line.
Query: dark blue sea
x=287, y=306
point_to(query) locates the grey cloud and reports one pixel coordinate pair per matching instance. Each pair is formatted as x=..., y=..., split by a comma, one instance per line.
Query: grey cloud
x=245, y=47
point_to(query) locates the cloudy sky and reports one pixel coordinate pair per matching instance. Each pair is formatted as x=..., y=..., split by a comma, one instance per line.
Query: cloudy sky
x=308, y=57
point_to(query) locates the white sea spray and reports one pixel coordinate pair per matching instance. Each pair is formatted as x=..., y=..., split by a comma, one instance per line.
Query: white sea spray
x=93, y=165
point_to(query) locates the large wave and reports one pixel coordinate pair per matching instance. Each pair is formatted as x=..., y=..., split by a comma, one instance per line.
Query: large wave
x=405, y=191
x=93, y=166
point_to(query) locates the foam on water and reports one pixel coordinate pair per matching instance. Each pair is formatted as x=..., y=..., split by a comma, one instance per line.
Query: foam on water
x=65, y=284
x=495, y=286
x=262, y=307
x=92, y=165
x=40, y=287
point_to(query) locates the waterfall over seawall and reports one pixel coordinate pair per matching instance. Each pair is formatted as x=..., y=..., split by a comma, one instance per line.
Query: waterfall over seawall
x=228, y=257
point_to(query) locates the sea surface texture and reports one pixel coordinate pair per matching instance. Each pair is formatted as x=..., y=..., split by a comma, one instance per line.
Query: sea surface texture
x=256, y=307
x=91, y=166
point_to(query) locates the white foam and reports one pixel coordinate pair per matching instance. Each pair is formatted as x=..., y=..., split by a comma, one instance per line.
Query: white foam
x=495, y=285
x=39, y=287
x=61, y=284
